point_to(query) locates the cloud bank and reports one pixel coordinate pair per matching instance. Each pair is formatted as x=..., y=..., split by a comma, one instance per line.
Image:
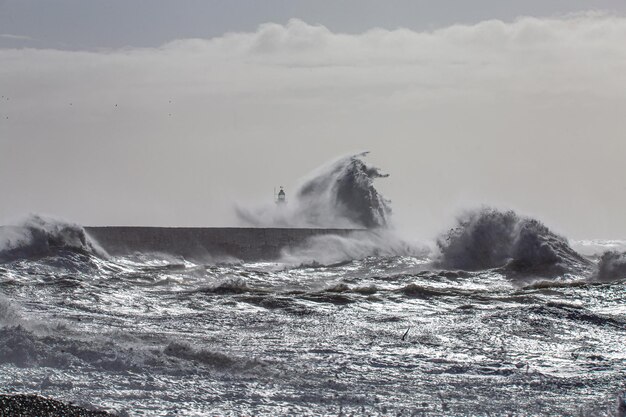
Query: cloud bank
x=576, y=54
x=524, y=113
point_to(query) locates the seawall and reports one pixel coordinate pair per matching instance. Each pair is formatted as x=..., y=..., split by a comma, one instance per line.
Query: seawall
x=246, y=244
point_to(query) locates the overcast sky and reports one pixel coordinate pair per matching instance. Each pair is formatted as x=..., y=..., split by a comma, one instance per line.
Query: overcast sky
x=168, y=113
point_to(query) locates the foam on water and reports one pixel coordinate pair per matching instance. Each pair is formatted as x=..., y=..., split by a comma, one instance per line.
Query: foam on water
x=274, y=339
x=362, y=323
x=330, y=249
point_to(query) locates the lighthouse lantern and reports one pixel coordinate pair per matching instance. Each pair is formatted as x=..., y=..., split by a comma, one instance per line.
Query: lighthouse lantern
x=281, y=198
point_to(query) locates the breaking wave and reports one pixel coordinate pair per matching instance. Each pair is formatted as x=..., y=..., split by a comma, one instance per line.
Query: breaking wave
x=38, y=236
x=331, y=249
x=489, y=238
x=612, y=266
x=64, y=348
x=340, y=194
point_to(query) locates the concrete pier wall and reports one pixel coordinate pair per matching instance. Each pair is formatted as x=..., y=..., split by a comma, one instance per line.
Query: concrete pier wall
x=247, y=244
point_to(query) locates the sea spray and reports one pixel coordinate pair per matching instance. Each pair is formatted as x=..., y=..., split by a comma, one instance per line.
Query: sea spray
x=489, y=238
x=254, y=338
x=329, y=249
x=612, y=266
x=340, y=194
x=38, y=236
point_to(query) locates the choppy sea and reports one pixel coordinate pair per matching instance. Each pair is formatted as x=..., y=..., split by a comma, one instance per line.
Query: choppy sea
x=148, y=335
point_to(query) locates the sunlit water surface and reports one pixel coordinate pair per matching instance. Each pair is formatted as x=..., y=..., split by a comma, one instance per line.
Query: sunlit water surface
x=386, y=336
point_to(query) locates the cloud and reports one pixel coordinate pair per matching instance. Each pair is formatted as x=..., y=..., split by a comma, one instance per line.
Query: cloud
x=529, y=55
x=195, y=117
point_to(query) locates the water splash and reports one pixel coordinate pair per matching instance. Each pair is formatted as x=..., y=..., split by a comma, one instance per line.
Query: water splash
x=489, y=238
x=38, y=236
x=340, y=194
x=612, y=266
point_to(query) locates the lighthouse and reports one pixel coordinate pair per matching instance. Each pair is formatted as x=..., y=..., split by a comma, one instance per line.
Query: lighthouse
x=281, y=198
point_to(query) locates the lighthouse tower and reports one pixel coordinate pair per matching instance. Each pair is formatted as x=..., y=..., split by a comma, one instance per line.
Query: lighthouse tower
x=281, y=198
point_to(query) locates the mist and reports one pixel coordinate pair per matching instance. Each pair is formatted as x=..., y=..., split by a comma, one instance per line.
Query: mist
x=523, y=114
x=340, y=194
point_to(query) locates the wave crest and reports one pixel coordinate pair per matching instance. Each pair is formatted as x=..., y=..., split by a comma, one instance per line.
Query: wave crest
x=489, y=238
x=612, y=266
x=340, y=194
x=38, y=236
x=331, y=249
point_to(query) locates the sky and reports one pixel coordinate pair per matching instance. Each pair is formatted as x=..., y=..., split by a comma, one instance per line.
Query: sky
x=170, y=113
x=80, y=24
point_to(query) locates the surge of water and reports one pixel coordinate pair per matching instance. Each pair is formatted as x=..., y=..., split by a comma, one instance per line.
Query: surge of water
x=358, y=323
x=339, y=194
x=329, y=249
x=379, y=335
x=489, y=238
x=612, y=266
x=38, y=236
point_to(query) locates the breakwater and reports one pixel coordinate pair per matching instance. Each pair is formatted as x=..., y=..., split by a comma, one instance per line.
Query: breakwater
x=246, y=244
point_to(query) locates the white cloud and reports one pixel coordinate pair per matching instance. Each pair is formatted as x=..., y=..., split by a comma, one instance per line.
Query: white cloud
x=506, y=108
x=527, y=55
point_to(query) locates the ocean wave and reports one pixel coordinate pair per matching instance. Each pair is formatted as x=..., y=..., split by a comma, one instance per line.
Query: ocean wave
x=340, y=194
x=187, y=352
x=62, y=348
x=489, y=238
x=612, y=266
x=419, y=291
x=38, y=236
x=577, y=313
x=331, y=250
x=546, y=284
x=230, y=286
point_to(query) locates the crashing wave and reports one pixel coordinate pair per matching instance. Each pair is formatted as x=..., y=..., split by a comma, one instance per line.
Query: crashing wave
x=489, y=238
x=331, y=249
x=612, y=266
x=340, y=194
x=38, y=236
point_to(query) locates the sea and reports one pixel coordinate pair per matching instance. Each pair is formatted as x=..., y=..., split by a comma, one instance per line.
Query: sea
x=498, y=317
